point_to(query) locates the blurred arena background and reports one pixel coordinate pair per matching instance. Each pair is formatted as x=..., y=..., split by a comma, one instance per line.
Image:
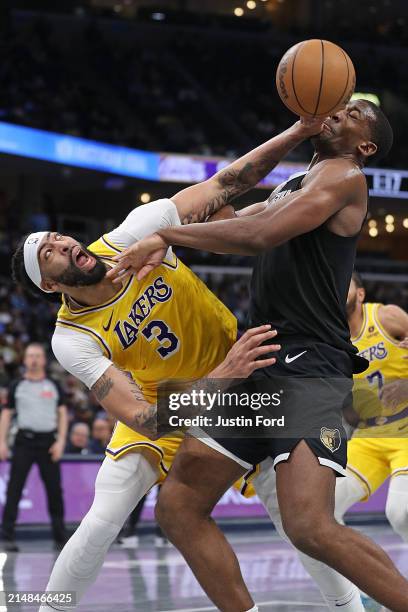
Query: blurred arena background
x=106, y=104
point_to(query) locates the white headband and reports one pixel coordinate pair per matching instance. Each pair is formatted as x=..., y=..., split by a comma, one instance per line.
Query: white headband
x=31, y=263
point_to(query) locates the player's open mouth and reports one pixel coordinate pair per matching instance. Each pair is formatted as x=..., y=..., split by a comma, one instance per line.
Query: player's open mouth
x=81, y=259
x=327, y=128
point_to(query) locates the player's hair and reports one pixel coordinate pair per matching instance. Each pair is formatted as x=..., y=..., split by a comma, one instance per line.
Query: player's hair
x=35, y=345
x=381, y=133
x=20, y=276
x=358, y=280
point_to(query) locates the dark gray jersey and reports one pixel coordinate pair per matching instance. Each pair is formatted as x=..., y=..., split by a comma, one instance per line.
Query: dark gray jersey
x=36, y=403
x=301, y=286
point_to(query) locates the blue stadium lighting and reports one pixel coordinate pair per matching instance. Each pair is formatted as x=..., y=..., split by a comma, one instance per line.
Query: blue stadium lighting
x=168, y=167
x=79, y=152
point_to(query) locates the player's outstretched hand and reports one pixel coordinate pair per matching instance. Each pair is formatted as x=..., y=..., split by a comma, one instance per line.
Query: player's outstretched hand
x=404, y=344
x=245, y=356
x=140, y=259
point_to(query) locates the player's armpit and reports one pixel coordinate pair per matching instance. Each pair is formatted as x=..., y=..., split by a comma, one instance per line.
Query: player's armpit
x=120, y=396
x=394, y=321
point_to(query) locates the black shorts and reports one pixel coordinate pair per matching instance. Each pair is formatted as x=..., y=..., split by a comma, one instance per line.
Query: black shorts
x=313, y=382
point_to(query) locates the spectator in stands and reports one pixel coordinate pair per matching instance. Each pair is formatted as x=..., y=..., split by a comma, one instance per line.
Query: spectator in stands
x=4, y=377
x=178, y=104
x=78, y=442
x=101, y=434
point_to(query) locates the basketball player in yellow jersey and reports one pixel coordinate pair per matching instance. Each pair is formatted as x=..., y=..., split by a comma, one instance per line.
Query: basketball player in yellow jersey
x=379, y=446
x=121, y=341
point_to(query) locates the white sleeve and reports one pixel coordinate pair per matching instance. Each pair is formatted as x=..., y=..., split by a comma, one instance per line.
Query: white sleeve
x=79, y=354
x=143, y=221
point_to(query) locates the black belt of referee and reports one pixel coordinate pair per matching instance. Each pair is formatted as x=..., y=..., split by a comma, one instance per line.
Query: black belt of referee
x=383, y=420
x=31, y=435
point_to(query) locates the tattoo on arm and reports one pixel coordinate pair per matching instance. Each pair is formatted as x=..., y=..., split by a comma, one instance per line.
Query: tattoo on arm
x=233, y=183
x=102, y=387
x=146, y=419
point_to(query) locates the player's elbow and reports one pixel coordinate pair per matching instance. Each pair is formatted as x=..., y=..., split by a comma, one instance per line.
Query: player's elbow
x=261, y=241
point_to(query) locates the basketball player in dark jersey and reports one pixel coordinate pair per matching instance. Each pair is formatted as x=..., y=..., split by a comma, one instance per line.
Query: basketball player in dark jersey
x=304, y=239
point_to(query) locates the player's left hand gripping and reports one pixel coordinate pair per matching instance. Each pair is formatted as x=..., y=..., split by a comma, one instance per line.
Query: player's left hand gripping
x=394, y=393
x=140, y=259
x=245, y=356
x=404, y=344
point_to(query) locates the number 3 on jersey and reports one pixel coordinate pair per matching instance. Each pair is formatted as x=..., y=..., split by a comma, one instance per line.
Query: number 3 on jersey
x=169, y=343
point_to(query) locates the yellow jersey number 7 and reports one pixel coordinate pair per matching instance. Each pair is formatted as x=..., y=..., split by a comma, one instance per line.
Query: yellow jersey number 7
x=376, y=378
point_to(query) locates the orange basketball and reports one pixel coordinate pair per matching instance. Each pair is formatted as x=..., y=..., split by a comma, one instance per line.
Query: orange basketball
x=315, y=78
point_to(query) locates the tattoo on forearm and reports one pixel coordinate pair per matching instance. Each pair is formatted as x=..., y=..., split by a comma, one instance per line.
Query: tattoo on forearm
x=146, y=419
x=233, y=183
x=102, y=387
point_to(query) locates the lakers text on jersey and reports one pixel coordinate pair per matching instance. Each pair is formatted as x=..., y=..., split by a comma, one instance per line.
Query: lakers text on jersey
x=167, y=326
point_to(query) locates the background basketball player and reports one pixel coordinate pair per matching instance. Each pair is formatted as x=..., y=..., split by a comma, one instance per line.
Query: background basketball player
x=379, y=447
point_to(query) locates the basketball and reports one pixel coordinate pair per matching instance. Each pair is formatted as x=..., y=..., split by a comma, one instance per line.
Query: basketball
x=315, y=78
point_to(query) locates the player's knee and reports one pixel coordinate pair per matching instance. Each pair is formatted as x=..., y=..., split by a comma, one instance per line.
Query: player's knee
x=308, y=533
x=172, y=503
x=97, y=533
x=349, y=491
x=91, y=540
x=397, y=514
x=168, y=507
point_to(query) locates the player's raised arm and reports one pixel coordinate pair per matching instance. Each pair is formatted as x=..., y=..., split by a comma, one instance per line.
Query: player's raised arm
x=196, y=203
x=331, y=186
x=330, y=190
x=202, y=201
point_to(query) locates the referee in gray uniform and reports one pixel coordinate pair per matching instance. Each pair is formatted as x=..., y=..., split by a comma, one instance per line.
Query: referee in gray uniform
x=42, y=428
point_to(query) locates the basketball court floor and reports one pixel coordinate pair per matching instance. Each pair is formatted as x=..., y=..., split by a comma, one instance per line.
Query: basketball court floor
x=151, y=579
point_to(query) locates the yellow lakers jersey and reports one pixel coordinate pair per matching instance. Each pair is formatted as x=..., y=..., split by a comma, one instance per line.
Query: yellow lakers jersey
x=167, y=326
x=386, y=364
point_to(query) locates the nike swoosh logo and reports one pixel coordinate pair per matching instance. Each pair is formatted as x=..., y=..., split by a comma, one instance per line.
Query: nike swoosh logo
x=106, y=327
x=346, y=603
x=290, y=359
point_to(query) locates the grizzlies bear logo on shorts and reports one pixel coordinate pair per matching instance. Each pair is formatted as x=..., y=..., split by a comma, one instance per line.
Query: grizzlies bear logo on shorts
x=331, y=438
